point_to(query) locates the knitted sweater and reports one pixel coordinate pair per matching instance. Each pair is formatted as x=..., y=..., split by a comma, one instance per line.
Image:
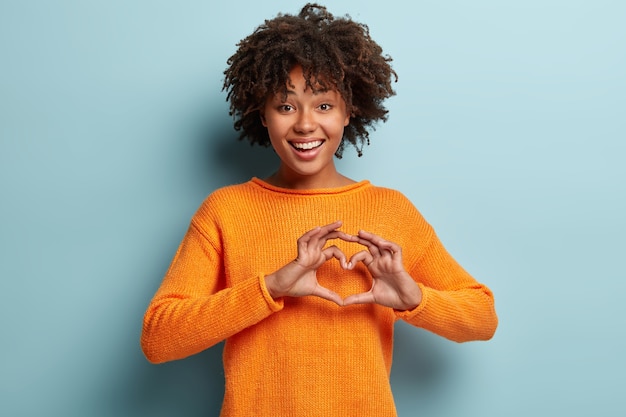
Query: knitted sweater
x=303, y=356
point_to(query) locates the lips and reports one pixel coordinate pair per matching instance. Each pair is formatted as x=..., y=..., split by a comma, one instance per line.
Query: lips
x=306, y=146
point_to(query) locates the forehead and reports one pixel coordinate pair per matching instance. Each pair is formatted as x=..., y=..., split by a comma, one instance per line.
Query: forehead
x=304, y=92
x=300, y=79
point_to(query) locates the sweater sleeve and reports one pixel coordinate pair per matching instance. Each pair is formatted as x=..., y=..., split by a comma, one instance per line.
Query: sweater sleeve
x=454, y=305
x=193, y=309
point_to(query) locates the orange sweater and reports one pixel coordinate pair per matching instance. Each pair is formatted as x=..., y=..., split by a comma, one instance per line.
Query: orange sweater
x=303, y=356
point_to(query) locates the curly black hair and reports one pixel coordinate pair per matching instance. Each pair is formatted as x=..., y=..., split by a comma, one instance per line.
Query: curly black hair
x=334, y=53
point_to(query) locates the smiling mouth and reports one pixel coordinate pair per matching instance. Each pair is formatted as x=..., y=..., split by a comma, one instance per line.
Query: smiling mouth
x=306, y=146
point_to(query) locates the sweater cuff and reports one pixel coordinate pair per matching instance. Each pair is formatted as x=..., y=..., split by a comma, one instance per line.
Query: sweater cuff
x=274, y=305
x=407, y=315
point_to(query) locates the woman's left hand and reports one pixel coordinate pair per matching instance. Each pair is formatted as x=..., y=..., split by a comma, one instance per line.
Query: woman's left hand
x=392, y=286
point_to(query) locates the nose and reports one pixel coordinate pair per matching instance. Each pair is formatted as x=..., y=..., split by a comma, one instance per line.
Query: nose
x=305, y=122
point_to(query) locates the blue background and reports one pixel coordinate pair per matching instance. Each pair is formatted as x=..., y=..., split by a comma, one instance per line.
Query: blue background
x=508, y=132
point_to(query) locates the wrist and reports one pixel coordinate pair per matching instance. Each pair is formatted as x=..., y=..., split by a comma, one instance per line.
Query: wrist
x=413, y=297
x=270, y=285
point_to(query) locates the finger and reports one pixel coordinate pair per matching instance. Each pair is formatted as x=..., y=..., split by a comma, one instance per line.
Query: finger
x=310, y=233
x=317, y=237
x=338, y=234
x=326, y=294
x=371, y=247
x=335, y=252
x=371, y=241
x=304, y=240
x=368, y=235
x=320, y=231
x=381, y=244
x=362, y=256
x=361, y=298
x=332, y=226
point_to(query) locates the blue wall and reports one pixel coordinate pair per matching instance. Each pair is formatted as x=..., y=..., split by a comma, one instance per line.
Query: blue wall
x=508, y=132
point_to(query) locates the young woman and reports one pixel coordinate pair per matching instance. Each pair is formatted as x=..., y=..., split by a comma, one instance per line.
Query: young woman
x=305, y=272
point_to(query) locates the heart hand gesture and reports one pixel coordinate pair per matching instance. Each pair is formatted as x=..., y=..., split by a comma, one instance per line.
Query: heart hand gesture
x=299, y=277
x=392, y=286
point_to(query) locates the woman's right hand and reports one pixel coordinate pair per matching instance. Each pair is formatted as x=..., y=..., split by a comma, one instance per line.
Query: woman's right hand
x=299, y=277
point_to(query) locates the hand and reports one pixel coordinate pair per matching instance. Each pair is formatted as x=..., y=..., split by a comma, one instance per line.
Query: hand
x=299, y=277
x=392, y=286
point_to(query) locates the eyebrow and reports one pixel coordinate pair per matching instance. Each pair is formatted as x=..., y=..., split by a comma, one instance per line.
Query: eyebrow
x=293, y=92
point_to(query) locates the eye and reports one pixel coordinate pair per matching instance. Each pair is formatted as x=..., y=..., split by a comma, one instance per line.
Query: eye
x=285, y=108
x=325, y=106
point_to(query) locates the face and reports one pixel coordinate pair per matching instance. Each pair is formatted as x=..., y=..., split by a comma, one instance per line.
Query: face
x=305, y=129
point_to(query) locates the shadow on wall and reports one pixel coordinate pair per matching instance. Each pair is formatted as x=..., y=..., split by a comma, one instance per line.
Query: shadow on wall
x=191, y=387
x=225, y=160
x=423, y=366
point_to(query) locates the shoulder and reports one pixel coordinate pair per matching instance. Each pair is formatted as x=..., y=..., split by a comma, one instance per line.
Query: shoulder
x=402, y=209
x=403, y=223
x=229, y=193
x=393, y=199
x=225, y=201
x=387, y=192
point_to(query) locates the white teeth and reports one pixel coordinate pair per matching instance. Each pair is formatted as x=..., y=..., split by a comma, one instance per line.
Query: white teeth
x=306, y=145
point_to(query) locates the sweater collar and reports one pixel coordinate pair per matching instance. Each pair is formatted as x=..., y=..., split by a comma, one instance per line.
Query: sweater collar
x=316, y=191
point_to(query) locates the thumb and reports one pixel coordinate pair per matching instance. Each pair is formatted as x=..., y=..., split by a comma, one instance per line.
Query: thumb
x=361, y=298
x=326, y=294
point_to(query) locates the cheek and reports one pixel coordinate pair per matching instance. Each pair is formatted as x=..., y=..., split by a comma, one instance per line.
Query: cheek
x=275, y=134
x=340, y=124
x=273, y=128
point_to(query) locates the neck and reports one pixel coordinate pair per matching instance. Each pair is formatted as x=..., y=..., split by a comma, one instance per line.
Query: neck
x=308, y=182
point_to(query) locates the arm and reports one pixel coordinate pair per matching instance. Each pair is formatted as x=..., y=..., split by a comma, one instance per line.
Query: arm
x=193, y=309
x=437, y=294
x=454, y=305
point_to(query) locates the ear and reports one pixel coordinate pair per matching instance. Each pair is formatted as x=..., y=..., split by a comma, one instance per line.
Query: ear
x=349, y=114
x=262, y=116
